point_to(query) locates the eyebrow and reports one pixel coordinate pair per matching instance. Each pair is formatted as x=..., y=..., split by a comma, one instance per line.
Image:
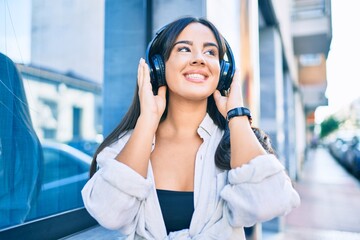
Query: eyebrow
x=207, y=44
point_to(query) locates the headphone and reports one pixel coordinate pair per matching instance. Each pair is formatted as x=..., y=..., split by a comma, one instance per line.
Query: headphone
x=157, y=67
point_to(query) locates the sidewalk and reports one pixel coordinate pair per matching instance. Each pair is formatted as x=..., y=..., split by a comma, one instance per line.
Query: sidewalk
x=330, y=203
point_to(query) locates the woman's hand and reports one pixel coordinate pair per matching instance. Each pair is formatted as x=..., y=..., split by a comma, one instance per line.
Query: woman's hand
x=151, y=106
x=137, y=150
x=234, y=97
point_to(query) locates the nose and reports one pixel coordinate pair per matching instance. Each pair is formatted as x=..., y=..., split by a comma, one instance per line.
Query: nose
x=197, y=59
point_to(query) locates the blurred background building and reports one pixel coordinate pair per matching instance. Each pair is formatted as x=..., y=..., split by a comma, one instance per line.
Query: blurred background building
x=87, y=53
x=283, y=45
x=64, y=107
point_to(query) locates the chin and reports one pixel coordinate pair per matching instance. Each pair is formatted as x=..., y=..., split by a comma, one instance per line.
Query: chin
x=198, y=96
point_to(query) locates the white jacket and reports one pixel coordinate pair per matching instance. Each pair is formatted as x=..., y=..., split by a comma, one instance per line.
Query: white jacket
x=224, y=201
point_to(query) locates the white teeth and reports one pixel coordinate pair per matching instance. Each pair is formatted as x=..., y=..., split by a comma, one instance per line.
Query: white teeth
x=195, y=76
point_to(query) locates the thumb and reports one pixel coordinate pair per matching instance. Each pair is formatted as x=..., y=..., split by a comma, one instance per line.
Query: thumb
x=162, y=91
x=220, y=102
x=217, y=95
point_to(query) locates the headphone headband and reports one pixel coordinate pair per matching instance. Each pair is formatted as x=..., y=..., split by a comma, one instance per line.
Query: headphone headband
x=158, y=32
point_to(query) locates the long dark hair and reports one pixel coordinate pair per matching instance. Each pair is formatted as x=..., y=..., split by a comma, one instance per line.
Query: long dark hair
x=163, y=47
x=21, y=155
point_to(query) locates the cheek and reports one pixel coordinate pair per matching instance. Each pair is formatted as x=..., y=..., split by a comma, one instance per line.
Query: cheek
x=216, y=72
x=169, y=70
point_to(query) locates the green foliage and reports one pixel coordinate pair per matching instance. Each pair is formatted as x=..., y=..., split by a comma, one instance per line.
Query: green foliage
x=328, y=126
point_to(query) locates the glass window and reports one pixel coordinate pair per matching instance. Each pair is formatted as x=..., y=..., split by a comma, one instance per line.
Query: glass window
x=65, y=173
x=60, y=165
x=51, y=70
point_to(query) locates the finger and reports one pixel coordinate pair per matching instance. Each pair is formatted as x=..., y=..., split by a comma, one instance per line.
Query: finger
x=162, y=91
x=220, y=102
x=236, y=78
x=236, y=85
x=140, y=74
x=146, y=77
x=146, y=72
x=217, y=95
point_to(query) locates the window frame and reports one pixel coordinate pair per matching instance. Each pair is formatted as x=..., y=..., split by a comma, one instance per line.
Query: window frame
x=54, y=227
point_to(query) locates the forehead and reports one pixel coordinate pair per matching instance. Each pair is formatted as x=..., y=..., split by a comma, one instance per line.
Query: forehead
x=197, y=31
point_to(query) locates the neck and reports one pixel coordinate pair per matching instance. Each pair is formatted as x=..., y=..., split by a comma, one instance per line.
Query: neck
x=183, y=118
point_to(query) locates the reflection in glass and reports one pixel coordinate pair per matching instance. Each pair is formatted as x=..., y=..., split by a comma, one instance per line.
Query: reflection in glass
x=21, y=156
x=65, y=173
x=52, y=94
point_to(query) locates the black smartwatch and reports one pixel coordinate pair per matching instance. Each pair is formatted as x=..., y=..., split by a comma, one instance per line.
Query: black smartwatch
x=240, y=111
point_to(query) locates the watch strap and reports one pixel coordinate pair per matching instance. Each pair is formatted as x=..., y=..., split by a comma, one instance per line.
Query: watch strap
x=239, y=111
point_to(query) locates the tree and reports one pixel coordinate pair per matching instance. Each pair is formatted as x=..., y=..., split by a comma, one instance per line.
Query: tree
x=328, y=126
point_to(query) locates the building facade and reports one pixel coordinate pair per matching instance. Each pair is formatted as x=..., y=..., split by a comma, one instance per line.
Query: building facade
x=282, y=46
x=62, y=108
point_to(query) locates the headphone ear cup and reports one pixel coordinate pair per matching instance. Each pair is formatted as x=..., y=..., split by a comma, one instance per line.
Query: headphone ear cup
x=152, y=74
x=225, y=77
x=159, y=69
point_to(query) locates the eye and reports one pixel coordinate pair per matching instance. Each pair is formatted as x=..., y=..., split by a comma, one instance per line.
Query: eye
x=183, y=49
x=210, y=52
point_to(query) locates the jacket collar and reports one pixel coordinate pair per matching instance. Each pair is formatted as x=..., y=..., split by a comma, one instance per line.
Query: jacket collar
x=207, y=127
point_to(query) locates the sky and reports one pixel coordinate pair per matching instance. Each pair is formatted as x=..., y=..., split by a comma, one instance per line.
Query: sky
x=15, y=29
x=343, y=63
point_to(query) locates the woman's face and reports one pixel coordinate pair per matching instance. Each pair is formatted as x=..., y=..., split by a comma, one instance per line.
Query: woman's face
x=192, y=70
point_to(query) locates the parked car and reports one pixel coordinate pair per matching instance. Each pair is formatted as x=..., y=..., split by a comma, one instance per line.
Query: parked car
x=65, y=172
x=86, y=146
x=352, y=157
x=338, y=148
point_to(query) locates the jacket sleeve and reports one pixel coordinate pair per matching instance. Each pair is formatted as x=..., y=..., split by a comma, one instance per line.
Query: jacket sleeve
x=258, y=191
x=115, y=193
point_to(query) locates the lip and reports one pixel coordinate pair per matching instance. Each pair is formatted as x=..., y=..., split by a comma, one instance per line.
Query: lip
x=196, y=76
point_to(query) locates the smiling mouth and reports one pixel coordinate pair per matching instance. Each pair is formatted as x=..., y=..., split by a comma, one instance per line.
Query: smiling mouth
x=195, y=77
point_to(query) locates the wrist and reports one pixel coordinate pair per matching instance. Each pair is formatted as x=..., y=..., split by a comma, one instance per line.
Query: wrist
x=239, y=112
x=150, y=123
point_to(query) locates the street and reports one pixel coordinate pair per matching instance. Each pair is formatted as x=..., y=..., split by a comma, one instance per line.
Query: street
x=330, y=206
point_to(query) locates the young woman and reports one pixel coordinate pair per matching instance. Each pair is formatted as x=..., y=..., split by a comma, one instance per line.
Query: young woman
x=184, y=163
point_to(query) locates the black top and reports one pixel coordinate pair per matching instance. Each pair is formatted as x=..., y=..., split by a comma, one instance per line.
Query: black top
x=177, y=209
